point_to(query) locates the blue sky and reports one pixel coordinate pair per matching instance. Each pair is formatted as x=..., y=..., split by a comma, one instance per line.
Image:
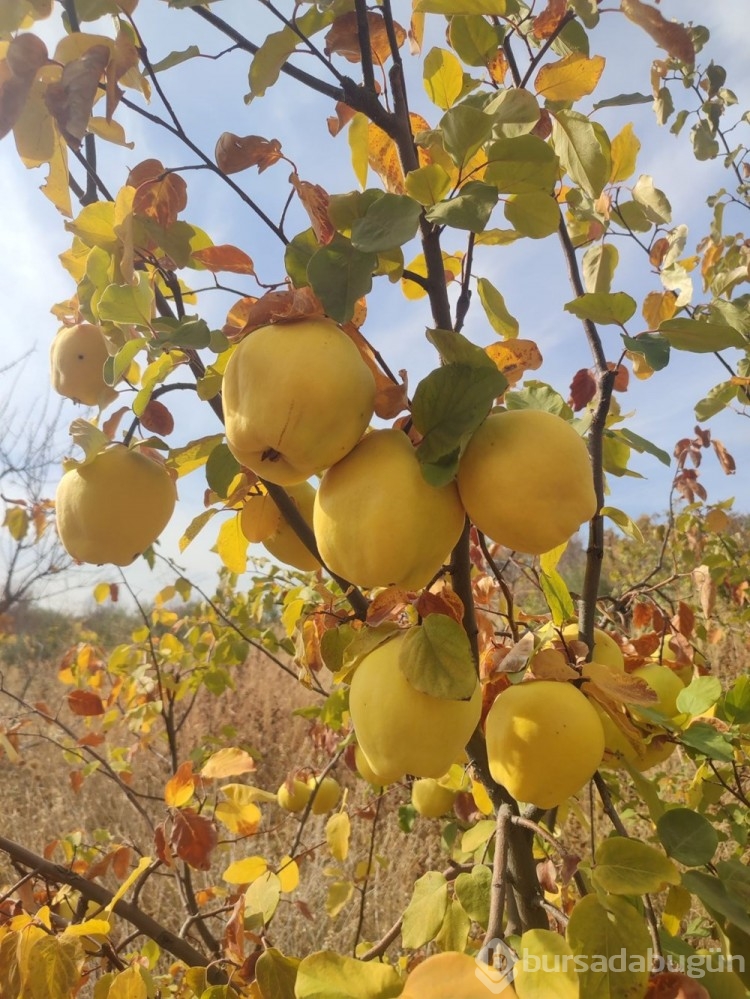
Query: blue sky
x=208, y=96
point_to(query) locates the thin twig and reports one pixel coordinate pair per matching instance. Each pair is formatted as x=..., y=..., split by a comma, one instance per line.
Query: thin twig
x=368, y=874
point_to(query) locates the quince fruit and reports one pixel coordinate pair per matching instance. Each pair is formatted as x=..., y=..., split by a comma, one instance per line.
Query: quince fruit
x=430, y=798
x=653, y=748
x=452, y=975
x=606, y=650
x=328, y=796
x=293, y=795
x=261, y=520
x=667, y=685
x=111, y=508
x=378, y=521
x=401, y=730
x=77, y=357
x=525, y=480
x=297, y=397
x=544, y=741
x=366, y=772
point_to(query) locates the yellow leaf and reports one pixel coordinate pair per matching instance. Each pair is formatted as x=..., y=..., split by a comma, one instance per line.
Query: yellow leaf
x=90, y=927
x=624, y=152
x=288, y=874
x=658, y=306
x=481, y=798
x=244, y=872
x=180, y=787
x=383, y=155
x=111, y=131
x=228, y=762
x=412, y=290
x=231, y=545
x=339, y=893
x=338, y=829
x=101, y=592
x=514, y=357
x=677, y=906
x=53, y=968
x=443, y=78
x=56, y=186
x=358, y=144
x=128, y=984
x=570, y=78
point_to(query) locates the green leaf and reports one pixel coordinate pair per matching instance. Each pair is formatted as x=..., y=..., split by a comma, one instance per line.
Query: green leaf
x=699, y=337
x=190, y=332
x=654, y=347
x=262, y=897
x=533, y=215
x=426, y=911
x=389, y=222
x=524, y=164
x=268, y=61
x=558, y=597
x=443, y=77
x=514, y=112
x=436, y=659
x=718, y=898
x=701, y=693
x=454, y=348
x=454, y=933
x=629, y=867
x=473, y=892
x=547, y=970
x=474, y=39
x=576, y=142
x=631, y=216
x=538, y=395
x=469, y=209
x=599, y=264
x=643, y=446
x=175, y=58
x=327, y=975
x=450, y=403
x=340, y=274
x=126, y=304
x=115, y=367
x=688, y=836
x=297, y=256
x=497, y=314
x=735, y=707
x=717, y=399
x=499, y=8
x=607, y=308
x=221, y=468
x=653, y=201
x=429, y=184
x=624, y=522
x=623, y=100
x=464, y=129
x=706, y=740
x=611, y=935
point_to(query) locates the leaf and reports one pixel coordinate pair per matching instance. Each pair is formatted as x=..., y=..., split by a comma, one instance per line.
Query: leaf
x=85, y=703
x=624, y=522
x=338, y=830
x=327, y=975
x=450, y=403
x=611, y=935
x=262, y=897
x=463, y=130
x=642, y=446
x=558, y=597
x=494, y=307
x=343, y=37
x=599, y=265
x=389, y=222
x=128, y=984
x=473, y=892
x=668, y=35
x=701, y=693
x=515, y=357
x=159, y=194
x=653, y=201
x=576, y=142
x=523, y=164
x=229, y=762
x=688, y=836
x=180, y=787
x=428, y=184
x=533, y=215
x=157, y=418
x=653, y=347
x=708, y=742
x=629, y=867
x=234, y=153
x=436, y=658
x=231, y=545
x=276, y=974
x=570, y=78
x=717, y=896
x=224, y=258
x=175, y=58
x=547, y=970
x=443, y=77
x=492, y=7
x=245, y=871
x=582, y=389
x=193, y=838
x=700, y=337
x=454, y=348
x=470, y=209
x=608, y=308
x=17, y=521
x=426, y=910
x=71, y=98
x=340, y=275
x=24, y=57
x=623, y=100
x=658, y=306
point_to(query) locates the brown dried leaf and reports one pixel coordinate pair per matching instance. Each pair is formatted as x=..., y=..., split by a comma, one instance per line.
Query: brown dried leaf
x=124, y=58
x=546, y=873
x=111, y=424
x=622, y=376
x=687, y=485
x=658, y=251
x=70, y=99
x=619, y=686
x=546, y=23
x=675, y=985
x=684, y=620
x=642, y=614
x=224, y=257
x=85, y=703
x=25, y=57
x=274, y=307
x=388, y=605
x=161, y=846
x=725, y=459
x=552, y=664
x=341, y=119
x=582, y=389
x=234, y=152
x=192, y=839
x=445, y=602
x=159, y=195
x=383, y=155
x=343, y=38
x=157, y=418
x=674, y=38
x=315, y=201
x=706, y=589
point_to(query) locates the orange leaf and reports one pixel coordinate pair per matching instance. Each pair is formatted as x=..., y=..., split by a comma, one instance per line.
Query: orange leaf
x=514, y=357
x=161, y=846
x=445, y=602
x=159, y=195
x=224, y=257
x=383, y=155
x=343, y=38
x=387, y=605
x=343, y=116
x=674, y=38
x=71, y=98
x=192, y=839
x=91, y=739
x=180, y=787
x=157, y=418
x=315, y=201
x=85, y=703
x=546, y=23
x=622, y=376
x=234, y=152
x=277, y=307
